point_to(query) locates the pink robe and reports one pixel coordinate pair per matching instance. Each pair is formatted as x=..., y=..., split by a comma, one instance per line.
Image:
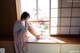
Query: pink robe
x=20, y=38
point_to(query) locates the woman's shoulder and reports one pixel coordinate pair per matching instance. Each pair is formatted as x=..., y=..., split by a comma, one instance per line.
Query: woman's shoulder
x=18, y=21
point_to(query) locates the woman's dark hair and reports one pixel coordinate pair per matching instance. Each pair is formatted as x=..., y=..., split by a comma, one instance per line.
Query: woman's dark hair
x=24, y=15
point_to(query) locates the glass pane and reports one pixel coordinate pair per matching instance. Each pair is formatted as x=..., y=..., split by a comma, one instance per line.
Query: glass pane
x=41, y=27
x=76, y=4
x=54, y=12
x=64, y=30
x=53, y=30
x=76, y=12
x=75, y=22
x=66, y=3
x=54, y=3
x=66, y=12
x=54, y=21
x=30, y=7
x=43, y=9
x=74, y=30
x=65, y=21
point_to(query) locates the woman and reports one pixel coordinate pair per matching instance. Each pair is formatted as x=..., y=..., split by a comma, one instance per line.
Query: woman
x=20, y=33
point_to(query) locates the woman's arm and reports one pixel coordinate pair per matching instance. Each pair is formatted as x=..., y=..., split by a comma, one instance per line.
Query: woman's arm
x=31, y=30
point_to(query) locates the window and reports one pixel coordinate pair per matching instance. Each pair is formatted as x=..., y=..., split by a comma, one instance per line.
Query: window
x=43, y=15
x=39, y=14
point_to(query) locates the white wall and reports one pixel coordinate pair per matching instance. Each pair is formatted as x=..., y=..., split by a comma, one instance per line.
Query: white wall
x=53, y=48
x=43, y=48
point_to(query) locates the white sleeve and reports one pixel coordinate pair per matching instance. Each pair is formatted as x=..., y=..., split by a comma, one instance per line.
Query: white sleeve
x=22, y=27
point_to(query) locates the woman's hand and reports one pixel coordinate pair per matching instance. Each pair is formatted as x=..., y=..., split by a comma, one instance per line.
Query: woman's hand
x=37, y=37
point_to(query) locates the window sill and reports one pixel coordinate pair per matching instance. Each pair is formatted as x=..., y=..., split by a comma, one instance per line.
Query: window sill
x=65, y=39
x=44, y=40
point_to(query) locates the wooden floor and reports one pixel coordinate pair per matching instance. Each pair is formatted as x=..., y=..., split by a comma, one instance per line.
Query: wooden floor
x=66, y=39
